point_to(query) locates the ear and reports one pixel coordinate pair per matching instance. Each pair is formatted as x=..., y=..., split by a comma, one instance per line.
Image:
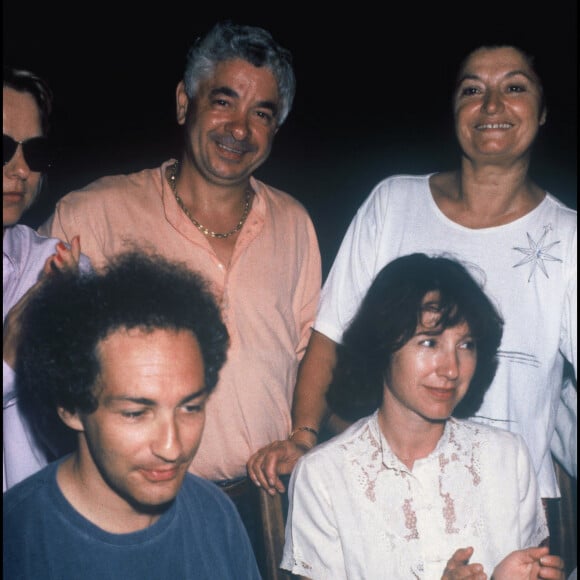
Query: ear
x=70, y=419
x=543, y=116
x=181, y=102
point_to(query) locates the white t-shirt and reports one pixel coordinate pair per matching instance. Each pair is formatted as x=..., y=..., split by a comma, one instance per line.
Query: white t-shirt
x=528, y=269
x=357, y=512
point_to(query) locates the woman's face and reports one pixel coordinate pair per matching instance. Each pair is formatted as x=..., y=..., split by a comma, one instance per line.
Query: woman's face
x=431, y=372
x=498, y=106
x=20, y=185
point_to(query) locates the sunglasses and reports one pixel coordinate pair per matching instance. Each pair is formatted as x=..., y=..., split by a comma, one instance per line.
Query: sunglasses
x=36, y=151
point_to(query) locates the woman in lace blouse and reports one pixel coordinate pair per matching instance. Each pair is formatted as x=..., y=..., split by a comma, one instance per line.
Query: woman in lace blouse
x=411, y=490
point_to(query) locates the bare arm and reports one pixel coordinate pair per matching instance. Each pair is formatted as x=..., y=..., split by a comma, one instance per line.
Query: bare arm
x=309, y=406
x=309, y=409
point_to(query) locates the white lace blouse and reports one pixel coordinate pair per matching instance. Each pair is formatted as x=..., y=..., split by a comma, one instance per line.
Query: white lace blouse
x=358, y=512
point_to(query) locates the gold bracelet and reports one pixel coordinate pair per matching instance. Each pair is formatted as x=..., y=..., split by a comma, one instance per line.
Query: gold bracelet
x=309, y=429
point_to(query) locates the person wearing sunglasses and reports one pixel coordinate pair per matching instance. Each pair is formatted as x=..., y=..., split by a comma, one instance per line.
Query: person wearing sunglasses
x=27, y=256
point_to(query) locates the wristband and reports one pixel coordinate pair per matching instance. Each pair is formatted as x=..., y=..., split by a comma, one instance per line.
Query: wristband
x=298, y=429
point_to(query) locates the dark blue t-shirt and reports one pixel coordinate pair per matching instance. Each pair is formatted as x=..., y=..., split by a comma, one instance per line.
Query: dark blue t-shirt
x=200, y=536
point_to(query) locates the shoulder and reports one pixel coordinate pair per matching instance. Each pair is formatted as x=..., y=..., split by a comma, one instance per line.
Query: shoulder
x=27, y=495
x=351, y=443
x=27, y=247
x=23, y=235
x=277, y=199
x=203, y=503
x=115, y=188
x=488, y=436
x=397, y=191
x=205, y=492
x=566, y=215
x=404, y=183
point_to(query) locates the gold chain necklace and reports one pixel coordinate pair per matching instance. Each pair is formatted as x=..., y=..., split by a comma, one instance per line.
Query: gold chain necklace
x=200, y=227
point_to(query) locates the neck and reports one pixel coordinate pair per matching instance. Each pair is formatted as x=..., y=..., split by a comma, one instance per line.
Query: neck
x=213, y=217
x=204, y=192
x=410, y=437
x=485, y=196
x=91, y=496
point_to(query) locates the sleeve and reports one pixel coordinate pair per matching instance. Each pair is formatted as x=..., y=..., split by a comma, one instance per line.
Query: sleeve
x=312, y=546
x=353, y=269
x=310, y=281
x=564, y=444
x=533, y=523
x=71, y=218
x=21, y=456
x=53, y=226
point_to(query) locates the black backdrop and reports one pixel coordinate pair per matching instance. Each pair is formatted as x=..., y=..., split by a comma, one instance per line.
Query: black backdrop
x=373, y=93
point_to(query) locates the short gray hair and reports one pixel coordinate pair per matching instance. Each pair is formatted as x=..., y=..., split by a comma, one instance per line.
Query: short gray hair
x=228, y=41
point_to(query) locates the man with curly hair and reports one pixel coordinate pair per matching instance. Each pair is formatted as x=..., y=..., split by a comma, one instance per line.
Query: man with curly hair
x=125, y=360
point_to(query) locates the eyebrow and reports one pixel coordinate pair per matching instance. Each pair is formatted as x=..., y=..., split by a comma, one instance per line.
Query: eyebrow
x=512, y=73
x=223, y=91
x=229, y=92
x=151, y=402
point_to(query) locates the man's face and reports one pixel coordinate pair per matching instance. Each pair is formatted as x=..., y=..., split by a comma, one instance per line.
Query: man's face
x=136, y=447
x=232, y=121
x=20, y=185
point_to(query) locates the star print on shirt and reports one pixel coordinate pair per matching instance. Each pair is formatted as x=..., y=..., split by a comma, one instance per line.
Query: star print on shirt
x=537, y=254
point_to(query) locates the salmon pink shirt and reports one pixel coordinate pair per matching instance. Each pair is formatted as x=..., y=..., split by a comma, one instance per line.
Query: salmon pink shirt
x=268, y=296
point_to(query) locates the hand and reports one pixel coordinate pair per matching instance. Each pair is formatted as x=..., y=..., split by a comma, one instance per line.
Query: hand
x=530, y=564
x=278, y=458
x=458, y=567
x=63, y=259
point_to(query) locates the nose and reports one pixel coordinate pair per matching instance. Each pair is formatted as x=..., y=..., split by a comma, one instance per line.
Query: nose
x=238, y=126
x=448, y=364
x=492, y=102
x=166, y=443
x=17, y=165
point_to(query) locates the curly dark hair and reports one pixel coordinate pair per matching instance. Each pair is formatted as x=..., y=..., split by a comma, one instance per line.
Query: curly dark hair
x=71, y=313
x=388, y=317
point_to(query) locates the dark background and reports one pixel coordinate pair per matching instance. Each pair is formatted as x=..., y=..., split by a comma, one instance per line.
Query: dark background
x=373, y=96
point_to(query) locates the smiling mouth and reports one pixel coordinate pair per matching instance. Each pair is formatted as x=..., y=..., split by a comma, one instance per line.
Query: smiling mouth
x=487, y=126
x=441, y=394
x=231, y=150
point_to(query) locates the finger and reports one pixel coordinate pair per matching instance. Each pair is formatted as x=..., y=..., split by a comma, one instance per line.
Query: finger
x=50, y=266
x=76, y=248
x=57, y=261
x=551, y=568
x=460, y=558
x=552, y=560
x=537, y=553
x=255, y=470
x=468, y=572
x=275, y=485
x=65, y=257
